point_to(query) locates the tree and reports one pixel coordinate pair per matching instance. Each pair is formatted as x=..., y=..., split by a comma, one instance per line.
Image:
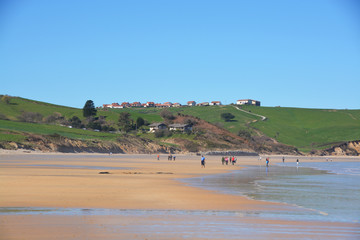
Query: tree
x=140, y=122
x=125, y=122
x=227, y=117
x=76, y=122
x=89, y=109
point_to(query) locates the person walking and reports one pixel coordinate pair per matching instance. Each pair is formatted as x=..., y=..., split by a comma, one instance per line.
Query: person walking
x=202, y=161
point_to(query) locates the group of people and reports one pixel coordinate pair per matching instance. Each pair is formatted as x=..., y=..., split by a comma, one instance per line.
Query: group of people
x=170, y=157
x=283, y=160
x=226, y=160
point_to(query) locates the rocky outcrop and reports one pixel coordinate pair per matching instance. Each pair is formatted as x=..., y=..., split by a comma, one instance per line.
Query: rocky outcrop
x=351, y=148
x=57, y=143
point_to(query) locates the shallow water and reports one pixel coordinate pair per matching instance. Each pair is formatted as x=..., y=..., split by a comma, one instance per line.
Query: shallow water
x=329, y=191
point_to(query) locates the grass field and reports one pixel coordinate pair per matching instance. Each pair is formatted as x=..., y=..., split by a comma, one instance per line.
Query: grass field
x=308, y=129
x=44, y=129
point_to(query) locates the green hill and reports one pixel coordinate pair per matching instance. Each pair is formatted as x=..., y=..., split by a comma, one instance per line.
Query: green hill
x=305, y=129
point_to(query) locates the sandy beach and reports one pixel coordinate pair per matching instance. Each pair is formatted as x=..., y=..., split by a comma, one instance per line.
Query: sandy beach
x=134, y=183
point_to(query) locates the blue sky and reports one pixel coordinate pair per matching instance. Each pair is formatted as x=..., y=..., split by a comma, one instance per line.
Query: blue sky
x=289, y=53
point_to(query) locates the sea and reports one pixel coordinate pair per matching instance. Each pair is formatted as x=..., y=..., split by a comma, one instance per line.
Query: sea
x=322, y=191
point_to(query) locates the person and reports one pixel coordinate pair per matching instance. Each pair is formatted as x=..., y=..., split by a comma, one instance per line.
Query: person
x=202, y=161
x=174, y=158
x=267, y=162
x=158, y=157
x=223, y=160
x=226, y=160
x=283, y=159
x=259, y=158
x=233, y=160
x=297, y=162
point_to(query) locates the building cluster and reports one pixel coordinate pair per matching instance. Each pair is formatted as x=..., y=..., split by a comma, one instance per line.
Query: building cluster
x=169, y=104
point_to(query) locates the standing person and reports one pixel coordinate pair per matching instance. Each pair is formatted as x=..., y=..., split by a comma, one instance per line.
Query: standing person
x=297, y=162
x=174, y=158
x=267, y=162
x=259, y=158
x=283, y=159
x=158, y=157
x=202, y=161
x=226, y=160
x=223, y=160
x=233, y=160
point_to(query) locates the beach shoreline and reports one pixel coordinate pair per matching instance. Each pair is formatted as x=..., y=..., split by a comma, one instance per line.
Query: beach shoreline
x=48, y=180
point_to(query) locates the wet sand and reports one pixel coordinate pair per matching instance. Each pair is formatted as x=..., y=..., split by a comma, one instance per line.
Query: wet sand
x=48, y=180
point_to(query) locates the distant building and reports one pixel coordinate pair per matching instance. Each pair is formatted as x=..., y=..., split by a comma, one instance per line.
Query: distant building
x=150, y=104
x=135, y=104
x=176, y=105
x=113, y=105
x=157, y=126
x=248, y=102
x=180, y=127
x=125, y=104
x=203, y=104
x=191, y=103
x=215, y=103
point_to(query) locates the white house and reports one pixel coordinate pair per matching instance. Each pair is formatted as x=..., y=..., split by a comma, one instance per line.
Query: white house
x=180, y=127
x=215, y=103
x=248, y=102
x=157, y=126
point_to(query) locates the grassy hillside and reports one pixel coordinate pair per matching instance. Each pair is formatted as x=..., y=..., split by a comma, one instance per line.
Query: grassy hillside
x=308, y=129
x=305, y=129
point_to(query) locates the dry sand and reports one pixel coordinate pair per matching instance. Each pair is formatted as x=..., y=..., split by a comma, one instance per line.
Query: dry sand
x=47, y=180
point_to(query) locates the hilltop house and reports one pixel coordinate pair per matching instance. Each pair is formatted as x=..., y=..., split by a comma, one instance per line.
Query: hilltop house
x=180, y=127
x=203, y=104
x=150, y=104
x=215, y=103
x=135, y=104
x=248, y=102
x=157, y=126
x=113, y=105
x=191, y=103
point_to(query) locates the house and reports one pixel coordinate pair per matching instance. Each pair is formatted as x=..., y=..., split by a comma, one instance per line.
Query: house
x=215, y=103
x=157, y=126
x=150, y=104
x=176, y=105
x=248, y=102
x=180, y=127
x=191, y=103
x=135, y=104
x=107, y=106
x=113, y=105
x=125, y=104
x=168, y=104
x=203, y=104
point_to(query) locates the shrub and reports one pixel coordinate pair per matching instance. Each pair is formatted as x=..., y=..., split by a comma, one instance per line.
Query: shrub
x=163, y=133
x=31, y=117
x=227, y=117
x=167, y=115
